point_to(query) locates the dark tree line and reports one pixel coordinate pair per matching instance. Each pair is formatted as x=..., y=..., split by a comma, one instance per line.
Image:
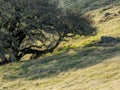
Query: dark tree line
x=36, y=27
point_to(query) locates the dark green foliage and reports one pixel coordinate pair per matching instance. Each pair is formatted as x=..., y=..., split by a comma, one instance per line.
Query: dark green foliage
x=37, y=27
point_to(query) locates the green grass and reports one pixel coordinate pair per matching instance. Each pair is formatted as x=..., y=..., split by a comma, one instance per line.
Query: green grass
x=78, y=64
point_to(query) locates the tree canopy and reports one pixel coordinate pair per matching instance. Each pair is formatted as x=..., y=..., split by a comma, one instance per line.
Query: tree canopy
x=37, y=27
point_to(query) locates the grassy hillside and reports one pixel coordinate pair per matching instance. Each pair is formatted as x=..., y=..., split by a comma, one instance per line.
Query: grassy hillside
x=78, y=64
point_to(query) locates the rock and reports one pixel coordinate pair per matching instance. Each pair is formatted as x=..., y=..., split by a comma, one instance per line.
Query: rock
x=107, y=39
x=119, y=12
x=107, y=14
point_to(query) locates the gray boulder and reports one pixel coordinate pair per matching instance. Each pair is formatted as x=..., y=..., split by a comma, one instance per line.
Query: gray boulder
x=105, y=39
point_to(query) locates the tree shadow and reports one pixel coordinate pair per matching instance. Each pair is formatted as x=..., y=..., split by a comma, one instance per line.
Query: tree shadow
x=53, y=65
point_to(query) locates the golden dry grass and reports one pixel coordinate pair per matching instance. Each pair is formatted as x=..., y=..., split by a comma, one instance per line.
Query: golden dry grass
x=73, y=66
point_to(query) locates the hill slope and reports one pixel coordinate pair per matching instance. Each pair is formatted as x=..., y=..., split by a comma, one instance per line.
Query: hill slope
x=76, y=66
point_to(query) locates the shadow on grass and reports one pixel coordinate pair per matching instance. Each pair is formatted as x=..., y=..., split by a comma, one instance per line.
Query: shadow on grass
x=69, y=60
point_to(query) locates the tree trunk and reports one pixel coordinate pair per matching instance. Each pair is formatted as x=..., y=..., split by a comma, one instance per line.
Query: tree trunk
x=3, y=58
